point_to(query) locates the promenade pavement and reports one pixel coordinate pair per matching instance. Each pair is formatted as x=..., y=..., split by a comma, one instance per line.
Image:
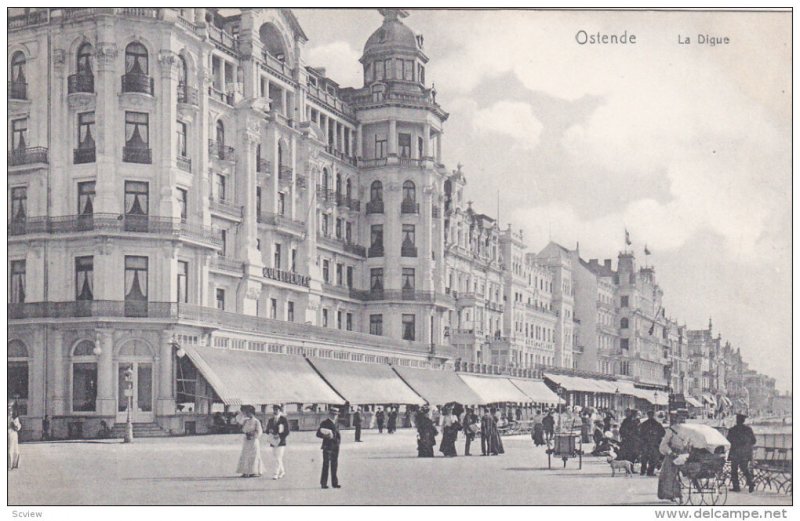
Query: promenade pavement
x=383, y=470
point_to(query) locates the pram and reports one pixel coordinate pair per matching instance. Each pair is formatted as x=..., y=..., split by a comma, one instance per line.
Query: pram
x=701, y=473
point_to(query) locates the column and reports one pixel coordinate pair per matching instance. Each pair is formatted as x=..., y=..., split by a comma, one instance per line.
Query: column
x=392, y=137
x=360, y=142
x=426, y=141
x=107, y=114
x=56, y=374
x=439, y=147
x=166, y=398
x=106, y=403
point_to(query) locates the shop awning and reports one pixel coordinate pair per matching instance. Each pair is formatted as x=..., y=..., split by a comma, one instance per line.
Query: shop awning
x=246, y=377
x=650, y=395
x=694, y=402
x=537, y=391
x=494, y=389
x=709, y=399
x=438, y=387
x=725, y=400
x=582, y=384
x=363, y=383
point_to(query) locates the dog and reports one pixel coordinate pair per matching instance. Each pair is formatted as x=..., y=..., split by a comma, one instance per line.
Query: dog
x=619, y=465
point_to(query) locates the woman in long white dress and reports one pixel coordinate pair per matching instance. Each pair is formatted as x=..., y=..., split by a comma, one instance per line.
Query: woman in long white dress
x=14, y=426
x=250, y=464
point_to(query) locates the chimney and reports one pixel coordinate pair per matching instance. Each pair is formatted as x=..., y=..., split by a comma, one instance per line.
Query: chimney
x=607, y=263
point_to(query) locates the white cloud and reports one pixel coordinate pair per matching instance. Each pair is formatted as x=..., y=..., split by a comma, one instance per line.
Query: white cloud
x=513, y=119
x=340, y=61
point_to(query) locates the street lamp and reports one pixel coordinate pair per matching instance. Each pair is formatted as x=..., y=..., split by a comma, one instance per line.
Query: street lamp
x=616, y=401
x=128, y=374
x=561, y=393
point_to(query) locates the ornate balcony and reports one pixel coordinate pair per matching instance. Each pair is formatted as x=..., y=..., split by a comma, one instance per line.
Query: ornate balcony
x=226, y=207
x=27, y=156
x=116, y=223
x=372, y=163
x=374, y=207
x=227, y=98
x=326, y=196
x=274, y=219
x=409, y=207
x=408, y=251
x=93, y=308
x=263, y=166
x=285, y=174
x=135, y=82
x=84, y=155
x=300, y=181
x=80, y=82
x=355, y=249
x=184, y=163
x=220, y=151
x=17, y=90
x=222, y=262
x=137, y=155
x=188, y=95
x=375, y=250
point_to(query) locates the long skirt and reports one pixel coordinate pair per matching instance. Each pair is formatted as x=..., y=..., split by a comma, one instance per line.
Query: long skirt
x=668, y=486
x=538, y=434
x=495, y=443
x=250, y=462
x=425, y=445
x=13, y=449
x=448, y=446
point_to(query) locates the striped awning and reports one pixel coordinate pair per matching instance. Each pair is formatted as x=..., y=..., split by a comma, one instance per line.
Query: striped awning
x=246, y=377
x=494, y=389
x=694, y=402
x=363, y=383
x=650, y=395
x=438, y=387
x=537, y=391
x=583, y=384
x=709, y=399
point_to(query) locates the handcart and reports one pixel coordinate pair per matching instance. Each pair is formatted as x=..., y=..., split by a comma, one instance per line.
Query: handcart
x=701, y=472
x=565, y=445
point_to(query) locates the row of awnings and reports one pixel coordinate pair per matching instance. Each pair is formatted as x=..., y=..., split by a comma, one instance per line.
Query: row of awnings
x=591, y=385
x=245, y=377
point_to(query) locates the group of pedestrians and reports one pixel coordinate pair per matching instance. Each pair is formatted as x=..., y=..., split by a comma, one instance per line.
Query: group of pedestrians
x=386, y=418
x=250, y=463
x=456, y=419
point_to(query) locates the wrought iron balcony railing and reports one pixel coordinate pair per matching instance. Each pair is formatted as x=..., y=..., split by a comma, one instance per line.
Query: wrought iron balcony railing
x=408, y=251
x=188, y=95
x=226, y=207
x=227, y=263
x=263, y=166
x=376, y=250
x=80, y=82
x=274, y=219
x=135, y=82
x=184, y=163
x=116, y=223
x=409, y=207
x=137, y=155
x=17, y=90
x=220, y=150
x=27, y=156
x=374, y=207
x=84, y=155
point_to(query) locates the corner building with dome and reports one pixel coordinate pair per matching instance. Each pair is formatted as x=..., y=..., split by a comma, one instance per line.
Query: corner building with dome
x=183, y=180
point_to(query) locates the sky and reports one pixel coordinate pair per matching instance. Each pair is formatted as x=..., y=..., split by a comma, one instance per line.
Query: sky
x=688, y=146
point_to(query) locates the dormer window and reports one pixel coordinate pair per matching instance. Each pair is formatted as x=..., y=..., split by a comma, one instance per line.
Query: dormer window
x=420, y=41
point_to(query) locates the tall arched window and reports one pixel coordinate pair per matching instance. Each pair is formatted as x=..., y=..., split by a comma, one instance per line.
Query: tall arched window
x=623, y=323
x=338, y=184
x=183, y=74
x=409, y=192
x=18, y=375
x=280, y=153
x=325, y=178
x=18, y=67
x=84, y=64
x=136, y=59
x=376, y=191
x=349, y=189
x=84, y=377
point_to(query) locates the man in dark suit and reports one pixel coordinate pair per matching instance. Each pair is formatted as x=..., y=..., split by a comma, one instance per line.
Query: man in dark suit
x=379, y=419
x=331, y=439
x=741, y=453
x=650, y=434
x=357, y=423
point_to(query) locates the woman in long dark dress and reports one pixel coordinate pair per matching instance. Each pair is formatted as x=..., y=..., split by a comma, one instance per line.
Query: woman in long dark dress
x=391, y=425
x=538, y=430
x=426, y=434
x=494, y=443
x=450, y=428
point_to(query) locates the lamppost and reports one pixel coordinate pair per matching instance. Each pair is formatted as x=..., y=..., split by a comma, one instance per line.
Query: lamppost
x=129, y=395
x=616, y=401
x=560, y=391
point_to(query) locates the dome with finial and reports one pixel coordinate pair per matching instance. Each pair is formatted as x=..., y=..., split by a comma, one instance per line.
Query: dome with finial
x=393, y=35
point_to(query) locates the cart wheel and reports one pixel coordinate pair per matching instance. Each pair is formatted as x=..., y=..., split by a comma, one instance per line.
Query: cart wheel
x=715, y=491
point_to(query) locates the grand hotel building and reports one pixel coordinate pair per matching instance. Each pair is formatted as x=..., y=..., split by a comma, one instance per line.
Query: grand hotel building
x=178, y=177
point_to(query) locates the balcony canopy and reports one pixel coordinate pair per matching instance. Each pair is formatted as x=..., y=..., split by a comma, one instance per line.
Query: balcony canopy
x=363, y=383
x=495, y=389
x=439, y=387
x=537, y=390
x=245, y=377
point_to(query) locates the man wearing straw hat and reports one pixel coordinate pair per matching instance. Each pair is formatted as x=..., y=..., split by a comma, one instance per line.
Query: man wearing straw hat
x=331, y=439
